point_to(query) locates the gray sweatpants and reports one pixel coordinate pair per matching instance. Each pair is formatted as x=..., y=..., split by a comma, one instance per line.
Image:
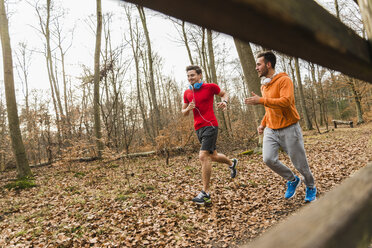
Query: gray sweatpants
x=291, y=140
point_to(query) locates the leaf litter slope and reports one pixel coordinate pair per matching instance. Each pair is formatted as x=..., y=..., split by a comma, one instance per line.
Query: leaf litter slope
x=102, y=204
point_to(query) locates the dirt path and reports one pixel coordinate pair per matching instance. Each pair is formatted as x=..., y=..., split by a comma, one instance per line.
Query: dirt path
x=143, y=202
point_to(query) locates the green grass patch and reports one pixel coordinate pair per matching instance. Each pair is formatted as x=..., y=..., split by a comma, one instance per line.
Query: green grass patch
x=182, y=199
x=248, y=152
x=188, y=227
x=122, y=197
x=21, y=233
x=75, y=229
x=37, y=232
x=253, y=183
x=79, y=174
x=178, y=216
x=190, y=169
x=73, y=189
x=141, y=195
x=113, y=165
x=21, y=183
x=149, y=187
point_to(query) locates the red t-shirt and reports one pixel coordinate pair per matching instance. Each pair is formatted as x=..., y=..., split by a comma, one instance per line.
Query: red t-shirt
x=203, y=99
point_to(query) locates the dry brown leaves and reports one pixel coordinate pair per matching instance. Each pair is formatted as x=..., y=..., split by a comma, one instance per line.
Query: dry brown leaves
x=97, y=205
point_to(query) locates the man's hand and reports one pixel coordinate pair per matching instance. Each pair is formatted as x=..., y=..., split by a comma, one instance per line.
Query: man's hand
x=222, y=105
x=253, y=100
x=191, y=106
x=260, y=129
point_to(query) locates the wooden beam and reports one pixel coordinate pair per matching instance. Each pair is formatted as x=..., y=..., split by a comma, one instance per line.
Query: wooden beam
x=342, y=218
x=299, y=28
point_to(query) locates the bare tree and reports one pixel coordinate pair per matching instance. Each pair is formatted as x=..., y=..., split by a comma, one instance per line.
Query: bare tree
x=212, y=67
x=187, y=43
x=364, y=6
x=45, y=31
x=97, y=118
x=309, y=126
x=151, y=70
x=23, y=57
x=58, y=33
x=252, y=81
x=134, y=41
x=23, y=169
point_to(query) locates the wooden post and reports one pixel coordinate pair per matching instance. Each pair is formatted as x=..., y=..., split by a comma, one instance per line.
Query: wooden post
x=342, y=218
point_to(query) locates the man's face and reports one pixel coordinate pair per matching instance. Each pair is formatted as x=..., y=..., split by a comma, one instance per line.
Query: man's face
x=262, y=68
x=193, y=77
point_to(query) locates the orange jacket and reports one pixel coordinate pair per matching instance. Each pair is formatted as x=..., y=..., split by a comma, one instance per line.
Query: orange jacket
x=278, y=99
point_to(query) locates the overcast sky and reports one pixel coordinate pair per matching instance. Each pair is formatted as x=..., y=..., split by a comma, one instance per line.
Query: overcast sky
x=23, y=23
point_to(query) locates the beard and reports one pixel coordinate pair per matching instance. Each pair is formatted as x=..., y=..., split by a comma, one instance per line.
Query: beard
x=264, y=72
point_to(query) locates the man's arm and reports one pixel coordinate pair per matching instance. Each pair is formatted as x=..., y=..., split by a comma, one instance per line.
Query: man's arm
x=260, y=128
x=187, y=107
x=284, y=99
x=224, y=99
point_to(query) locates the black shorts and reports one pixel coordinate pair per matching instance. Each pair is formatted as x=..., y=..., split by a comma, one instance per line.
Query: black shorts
x=207, y=137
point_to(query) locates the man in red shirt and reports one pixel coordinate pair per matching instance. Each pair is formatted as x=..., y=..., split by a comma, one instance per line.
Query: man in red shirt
x=199, y=98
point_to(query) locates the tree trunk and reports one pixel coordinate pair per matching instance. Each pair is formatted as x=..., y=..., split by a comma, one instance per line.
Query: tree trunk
x=204, y=58
x=44, y=27
x=357, y=99
x=252, y=81
x=186, y=43
x=53, y=82
x=314, y=109
x=151, y=71
x=365, y=7
x=97, y=119
x=337, y=9
x=316, y=97
x=23, y=168
x=297, y=94
x=67, y=120
x=323, y=99
x=135, y=43
x=212, y=67
x=309, y=126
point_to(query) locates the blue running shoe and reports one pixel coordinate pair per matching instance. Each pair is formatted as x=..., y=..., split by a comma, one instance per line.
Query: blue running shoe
x=291, y=187
x=310, y=194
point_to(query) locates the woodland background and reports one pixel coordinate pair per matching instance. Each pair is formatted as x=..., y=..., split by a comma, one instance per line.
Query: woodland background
x=139, y=103
x=77, y=136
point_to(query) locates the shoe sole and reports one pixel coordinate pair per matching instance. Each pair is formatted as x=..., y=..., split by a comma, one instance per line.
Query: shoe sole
x=291, y=196
x=310, y=201
x=203, y=203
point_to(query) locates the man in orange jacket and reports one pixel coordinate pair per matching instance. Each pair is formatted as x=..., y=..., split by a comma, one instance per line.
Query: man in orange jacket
x=280, y=126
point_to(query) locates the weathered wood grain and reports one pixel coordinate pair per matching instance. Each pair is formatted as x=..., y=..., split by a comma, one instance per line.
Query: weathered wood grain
x=299, y=28
x=342, y=218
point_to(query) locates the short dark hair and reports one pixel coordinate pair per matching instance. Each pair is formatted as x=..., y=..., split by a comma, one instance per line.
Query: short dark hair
x=194, y=67
x=269, y=56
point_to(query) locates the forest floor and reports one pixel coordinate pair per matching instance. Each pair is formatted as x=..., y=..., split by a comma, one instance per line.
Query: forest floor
x=143, y=202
